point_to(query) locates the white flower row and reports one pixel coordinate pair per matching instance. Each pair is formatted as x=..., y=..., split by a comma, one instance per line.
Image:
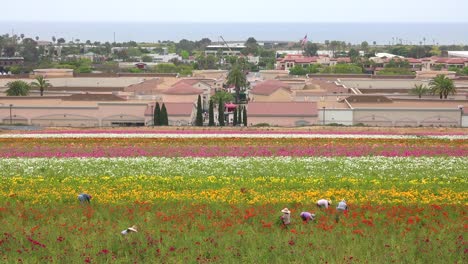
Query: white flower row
x=226, y=135
x=398, y=168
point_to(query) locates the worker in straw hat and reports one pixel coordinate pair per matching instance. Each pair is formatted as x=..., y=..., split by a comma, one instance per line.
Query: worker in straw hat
x=129, y=230
x=286, y=217
x=84, y=198
x=323, y=203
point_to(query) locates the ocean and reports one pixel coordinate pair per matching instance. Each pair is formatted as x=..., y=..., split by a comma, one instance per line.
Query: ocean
x=381, y=33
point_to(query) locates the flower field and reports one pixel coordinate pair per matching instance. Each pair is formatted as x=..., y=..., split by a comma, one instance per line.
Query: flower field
x=98, y=145
x=218, y=199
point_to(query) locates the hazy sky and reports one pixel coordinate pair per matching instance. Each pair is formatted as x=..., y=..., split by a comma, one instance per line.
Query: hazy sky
x=237, y=10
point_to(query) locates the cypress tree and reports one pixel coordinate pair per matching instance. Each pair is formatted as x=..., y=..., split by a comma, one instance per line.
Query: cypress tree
x=244, y=116
x=211, y=114
x=239, y=115
x=157, y=115
x=199, y=118
x=234, y=119
x=221, y=112
x=164, y=117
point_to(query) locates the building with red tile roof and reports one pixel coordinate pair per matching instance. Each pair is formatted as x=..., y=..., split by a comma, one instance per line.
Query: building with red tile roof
x=182, y=88
x=290, y=61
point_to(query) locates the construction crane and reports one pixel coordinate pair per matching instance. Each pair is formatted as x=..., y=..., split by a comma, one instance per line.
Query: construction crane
x=226, y=44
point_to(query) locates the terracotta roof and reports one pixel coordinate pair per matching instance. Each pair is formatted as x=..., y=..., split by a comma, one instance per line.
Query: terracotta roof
x=193, y=81
x=328, y=86
x=183, y=88
x=450, y=60
x=298, y=59
x=268, y=87
x=343, y=59
x=147, y=85
x=92, y=97
x=457, y=61
x=413, y=60
x=173, y=109
x=282, y=109
x=188, y=81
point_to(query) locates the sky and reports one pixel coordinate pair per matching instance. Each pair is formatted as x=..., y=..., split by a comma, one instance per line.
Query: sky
x=236, y=10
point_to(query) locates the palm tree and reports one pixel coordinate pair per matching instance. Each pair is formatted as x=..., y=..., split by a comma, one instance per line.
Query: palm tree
x=41, y=83
x=443, y=86
x=18, y=88
x=237, y=78
x=419, y=90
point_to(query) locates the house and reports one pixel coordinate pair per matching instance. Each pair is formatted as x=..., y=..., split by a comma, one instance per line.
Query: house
x=145, y=87
x=153, y=86
x=319, y=89
x=181, y=92
x=282, y=113
x=271, y=91
x=203, y=84
x=290, y=61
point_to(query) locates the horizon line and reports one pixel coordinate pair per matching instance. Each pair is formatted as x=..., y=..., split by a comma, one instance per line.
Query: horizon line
x=239, y=22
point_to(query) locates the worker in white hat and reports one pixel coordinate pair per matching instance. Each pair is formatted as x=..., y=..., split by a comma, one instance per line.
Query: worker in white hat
x=323, y=203
x=129, y=230
x=286, y=217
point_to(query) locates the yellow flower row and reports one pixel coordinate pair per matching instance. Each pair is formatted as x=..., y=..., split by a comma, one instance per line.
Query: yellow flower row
x=232, y=190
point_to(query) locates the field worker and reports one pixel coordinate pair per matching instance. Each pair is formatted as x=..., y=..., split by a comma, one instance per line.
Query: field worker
x=84, y=198
x=340, y=209
x=322, y=203
x=286, y=217
x=342, y=206
x=129, y=230
x=306, y=216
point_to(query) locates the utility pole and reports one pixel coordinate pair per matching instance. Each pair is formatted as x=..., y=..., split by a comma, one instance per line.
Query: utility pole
x=152, y=114
x=114, y=37
x=11, y=119
x=323, y=115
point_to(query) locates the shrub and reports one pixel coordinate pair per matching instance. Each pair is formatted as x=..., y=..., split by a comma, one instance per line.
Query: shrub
x=261, y=125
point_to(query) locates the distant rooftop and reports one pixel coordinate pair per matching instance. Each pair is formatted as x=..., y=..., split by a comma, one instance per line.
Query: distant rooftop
x=11, y=58
x=92, y=97
x=462, y=54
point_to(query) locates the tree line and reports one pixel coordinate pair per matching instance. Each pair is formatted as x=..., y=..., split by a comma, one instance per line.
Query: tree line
x=239, y=114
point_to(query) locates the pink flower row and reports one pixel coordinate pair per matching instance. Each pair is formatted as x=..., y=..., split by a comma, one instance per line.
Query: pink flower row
x=238, y=151
x=246, y=131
